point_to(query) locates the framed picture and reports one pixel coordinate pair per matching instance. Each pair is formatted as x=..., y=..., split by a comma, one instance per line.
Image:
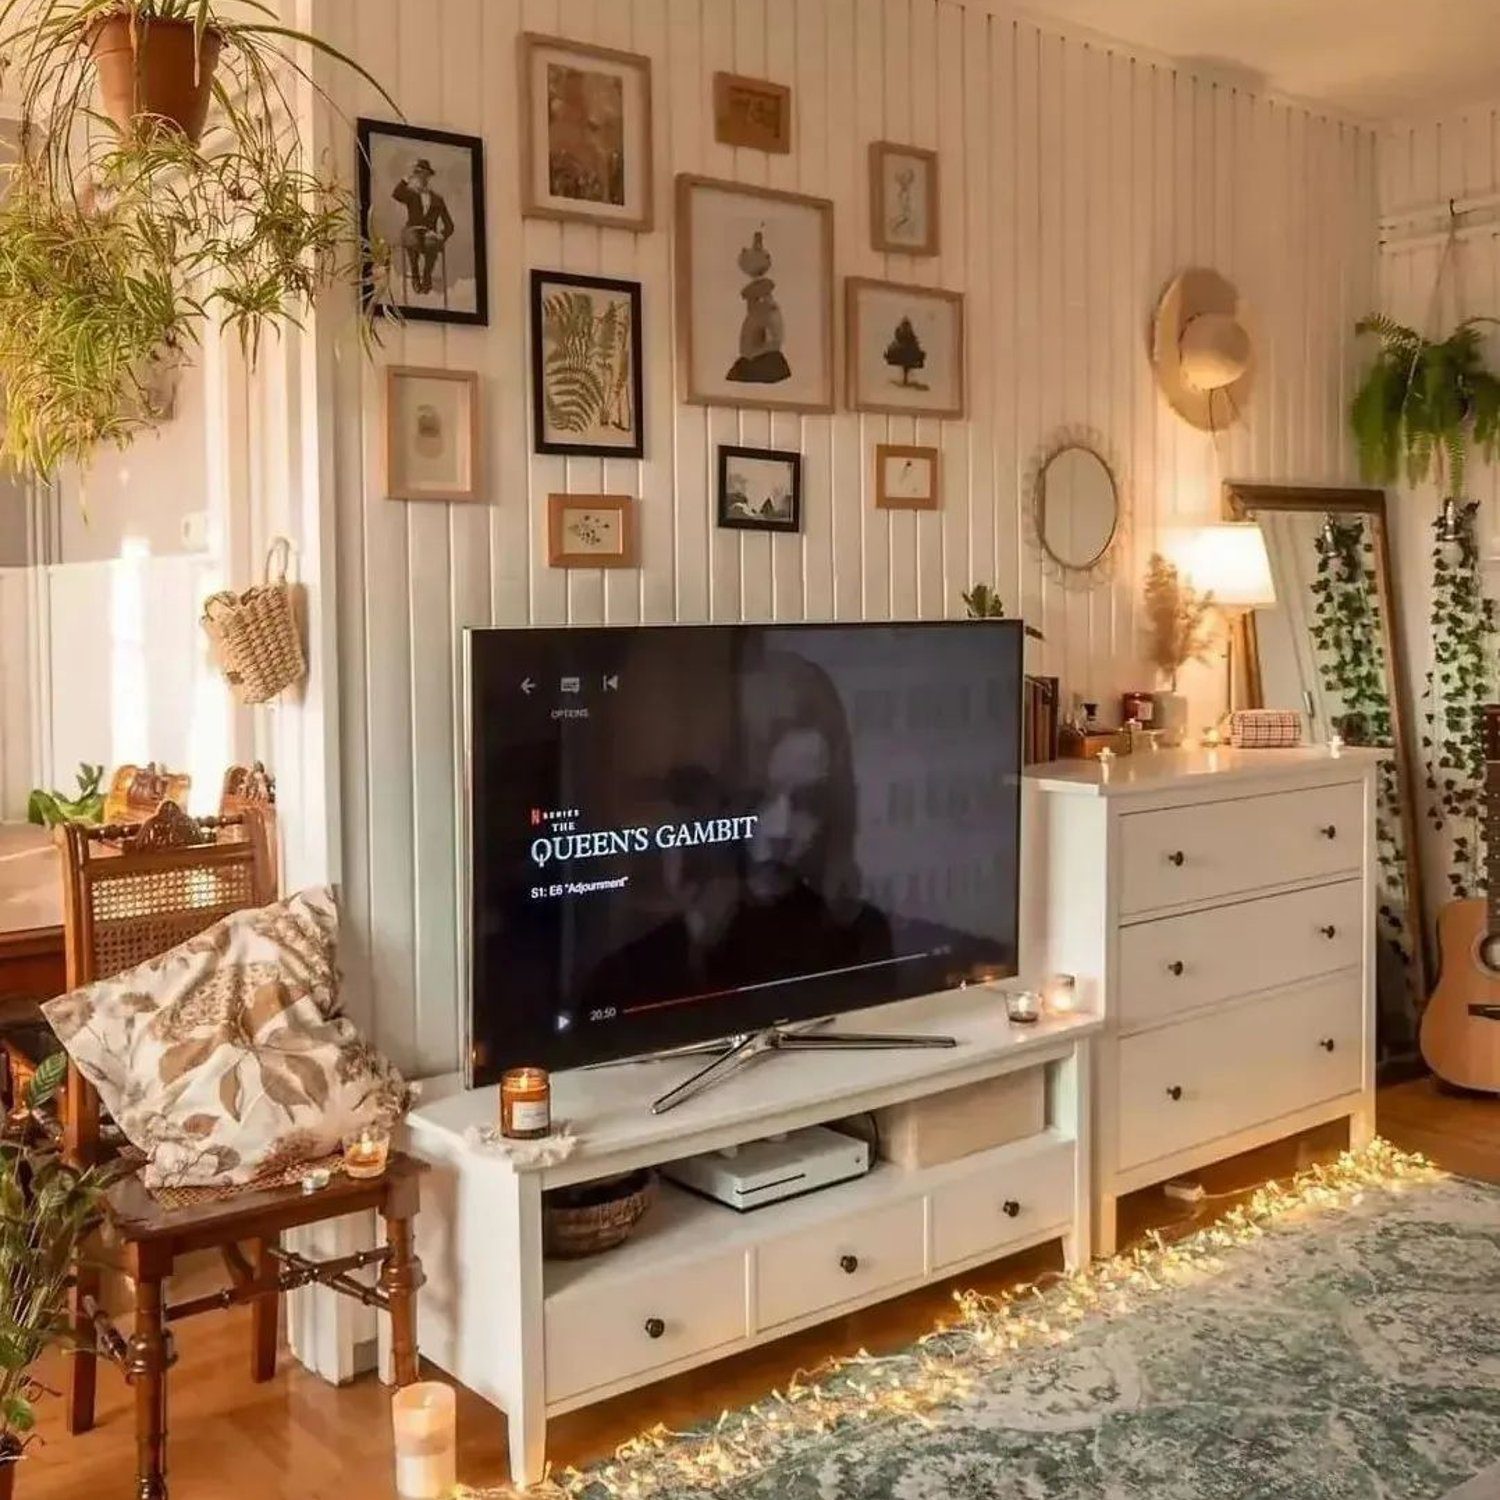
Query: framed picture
x=906, y=348
x=760, y=489
x=754, y=296
x=906, y=478
x=752, y=112
x=421, y=211
x=431, y=434
x=586, y=144
x=591, y=531
x=586, y=383
x=903, y=199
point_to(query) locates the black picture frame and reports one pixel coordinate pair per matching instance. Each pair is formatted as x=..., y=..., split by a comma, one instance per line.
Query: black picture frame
x=367, y=130
x=740, y=522
x=541, y=442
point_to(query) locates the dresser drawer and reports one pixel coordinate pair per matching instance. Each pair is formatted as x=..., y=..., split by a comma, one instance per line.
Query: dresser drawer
x=1184, y=854
x=596, y=1337
x=1188, y=1084
x=1007, y=1204
x=831, y=1264
x=1175, y=964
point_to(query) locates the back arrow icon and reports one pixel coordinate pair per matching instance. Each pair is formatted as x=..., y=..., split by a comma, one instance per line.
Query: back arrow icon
x=528, y=686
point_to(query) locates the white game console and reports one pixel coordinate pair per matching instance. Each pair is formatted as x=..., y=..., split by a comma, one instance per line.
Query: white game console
x=770, y=1171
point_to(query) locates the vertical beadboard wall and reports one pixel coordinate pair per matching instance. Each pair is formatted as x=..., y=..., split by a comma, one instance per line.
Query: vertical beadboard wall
x=1076, y=179
x=1423, y=165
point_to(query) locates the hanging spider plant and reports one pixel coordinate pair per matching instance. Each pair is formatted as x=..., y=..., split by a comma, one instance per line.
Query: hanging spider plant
x=1425, y=406
x=160, y=185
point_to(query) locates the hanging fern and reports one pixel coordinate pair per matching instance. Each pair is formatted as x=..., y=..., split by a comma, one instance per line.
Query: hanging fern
x=1459, y=684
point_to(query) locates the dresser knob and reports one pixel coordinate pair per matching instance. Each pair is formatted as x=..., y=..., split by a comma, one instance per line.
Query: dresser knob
x=1329, y=831
x=848, y=1264
x=1330, y=931
x=1011, y=1209
x=1176, y=857
x=1326, y=1044
x=655, y=1328
x=1175, y=1092
x=1175, y=967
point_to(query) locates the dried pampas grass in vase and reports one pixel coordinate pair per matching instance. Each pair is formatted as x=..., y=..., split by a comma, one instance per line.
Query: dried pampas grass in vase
x=1177, y=631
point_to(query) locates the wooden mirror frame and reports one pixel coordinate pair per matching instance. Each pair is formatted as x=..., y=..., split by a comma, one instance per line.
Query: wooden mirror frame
x=1243, y=502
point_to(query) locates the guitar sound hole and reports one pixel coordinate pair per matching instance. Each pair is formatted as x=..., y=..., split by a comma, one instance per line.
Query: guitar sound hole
x=1487, y=951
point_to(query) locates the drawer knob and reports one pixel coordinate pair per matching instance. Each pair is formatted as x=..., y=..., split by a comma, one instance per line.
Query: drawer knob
x=1175, y=1091
x=1330, y=931
x=1011, y=1209
x=1175, y=967
x=848, y=1264
x=1326, y=1044
x=1329, y=831
x=655, y=1328
x=1176, y=857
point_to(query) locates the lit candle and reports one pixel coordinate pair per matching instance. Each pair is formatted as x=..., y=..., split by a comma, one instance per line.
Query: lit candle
x=1212, y=739
x=1023, y=1007
x=366, y=1151
x=426, y=1441
x=1335, y=744
x=1061, y=991
x=525, y=1104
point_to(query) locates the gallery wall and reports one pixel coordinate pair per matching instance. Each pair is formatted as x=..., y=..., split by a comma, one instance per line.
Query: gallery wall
x=1077, y=178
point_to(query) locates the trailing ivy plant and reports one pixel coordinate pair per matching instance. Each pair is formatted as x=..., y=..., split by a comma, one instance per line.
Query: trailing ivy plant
x=1348, y=635
x=1460, y=682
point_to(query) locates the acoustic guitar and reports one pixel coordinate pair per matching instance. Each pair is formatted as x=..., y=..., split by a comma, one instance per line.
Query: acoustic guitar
x=1461, y=1025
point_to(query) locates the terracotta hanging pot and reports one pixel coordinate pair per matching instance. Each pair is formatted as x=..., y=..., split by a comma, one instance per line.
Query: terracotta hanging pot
x=154, y=72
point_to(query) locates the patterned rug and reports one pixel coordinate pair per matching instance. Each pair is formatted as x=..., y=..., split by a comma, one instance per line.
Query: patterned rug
x=1350, y=1353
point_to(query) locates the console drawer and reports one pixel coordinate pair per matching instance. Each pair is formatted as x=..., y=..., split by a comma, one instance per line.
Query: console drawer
x=1004, y=1205
x=1183, y=854
x=596, y=1337
x=1188, y=1084
x=1178, y=963
x=830, y=1264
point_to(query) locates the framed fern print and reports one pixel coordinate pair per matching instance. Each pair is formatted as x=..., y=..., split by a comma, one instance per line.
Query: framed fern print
x=586, y=365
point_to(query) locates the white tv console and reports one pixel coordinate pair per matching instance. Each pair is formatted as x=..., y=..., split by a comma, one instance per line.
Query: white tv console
x=699, y=1281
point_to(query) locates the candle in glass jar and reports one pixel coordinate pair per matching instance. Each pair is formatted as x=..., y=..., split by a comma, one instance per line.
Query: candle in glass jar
x=365, y=1151
x=426, y=1441
x=1062, y=994
x=525, y=1104
x=1023, y=1007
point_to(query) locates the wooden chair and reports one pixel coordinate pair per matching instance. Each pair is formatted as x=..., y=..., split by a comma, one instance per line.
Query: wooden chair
x=131, y=893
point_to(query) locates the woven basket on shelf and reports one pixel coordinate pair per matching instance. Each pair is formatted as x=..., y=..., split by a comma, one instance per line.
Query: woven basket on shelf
x=255, y=634
x=595, y=1216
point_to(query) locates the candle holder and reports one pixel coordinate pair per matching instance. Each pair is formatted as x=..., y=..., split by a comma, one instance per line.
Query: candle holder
x=366, y=1151
x=1023, y=1007
x=1061, y=994
x=424, y=1417
x=525, y=1104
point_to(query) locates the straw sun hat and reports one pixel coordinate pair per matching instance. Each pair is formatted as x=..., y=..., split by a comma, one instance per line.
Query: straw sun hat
x=1202, y=349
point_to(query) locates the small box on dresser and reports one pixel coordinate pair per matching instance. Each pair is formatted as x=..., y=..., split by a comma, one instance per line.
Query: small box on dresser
x=1218, y=909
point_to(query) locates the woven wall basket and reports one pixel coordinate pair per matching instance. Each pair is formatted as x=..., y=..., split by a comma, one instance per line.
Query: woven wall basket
x=255, y=634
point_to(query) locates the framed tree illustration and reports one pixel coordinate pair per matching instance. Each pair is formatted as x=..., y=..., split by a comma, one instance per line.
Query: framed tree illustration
x=905, y=348
x=586, y=382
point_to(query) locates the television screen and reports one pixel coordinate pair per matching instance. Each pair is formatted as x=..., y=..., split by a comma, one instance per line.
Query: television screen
x=685, y=832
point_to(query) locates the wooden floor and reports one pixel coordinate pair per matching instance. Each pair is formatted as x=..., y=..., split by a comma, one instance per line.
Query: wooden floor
x=298, y=1439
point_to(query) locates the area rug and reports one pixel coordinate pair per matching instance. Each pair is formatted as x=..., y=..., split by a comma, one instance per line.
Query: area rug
x=1343, y=1349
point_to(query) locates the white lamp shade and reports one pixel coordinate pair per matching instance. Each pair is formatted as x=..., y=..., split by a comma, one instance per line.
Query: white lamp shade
x=1229, y=561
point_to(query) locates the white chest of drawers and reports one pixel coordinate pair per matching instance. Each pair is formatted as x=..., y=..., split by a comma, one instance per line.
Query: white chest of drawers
x=1217, y=908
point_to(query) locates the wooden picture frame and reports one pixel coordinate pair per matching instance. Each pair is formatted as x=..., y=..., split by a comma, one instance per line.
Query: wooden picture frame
x=812, y=297
x=635, y=208
x=755, y=113
x=423, y=255
x=737, y=510
x=900, y=308
x=404, y=389
x=900, y=470
x=588, y=403
x=889, y=229
x=617, y=546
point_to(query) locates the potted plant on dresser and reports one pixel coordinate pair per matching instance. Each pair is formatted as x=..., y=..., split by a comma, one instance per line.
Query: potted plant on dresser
x=160, y=187
x=47, y=1211
x=1176, y=632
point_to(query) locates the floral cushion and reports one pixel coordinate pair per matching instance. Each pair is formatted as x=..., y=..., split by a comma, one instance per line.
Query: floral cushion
x=226, y=1059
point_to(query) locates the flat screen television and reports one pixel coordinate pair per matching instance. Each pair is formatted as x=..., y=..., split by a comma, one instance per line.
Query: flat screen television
x=679, y=833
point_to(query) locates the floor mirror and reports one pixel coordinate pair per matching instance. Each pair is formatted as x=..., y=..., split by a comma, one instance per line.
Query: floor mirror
x=1329, y=648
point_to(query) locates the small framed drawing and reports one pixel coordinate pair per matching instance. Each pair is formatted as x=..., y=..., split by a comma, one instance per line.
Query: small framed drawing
x=754, y=296
x=752, y=112
x=591, y=531
x=421, y=214
x=906, y=348
x=431, y=434
x=906, y=478
x=903, y=198
x=586, y=365
x=586, y=143
x=760, y=489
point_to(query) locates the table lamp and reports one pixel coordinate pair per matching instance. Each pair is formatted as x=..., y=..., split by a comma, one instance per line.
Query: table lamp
x=1230, y=561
